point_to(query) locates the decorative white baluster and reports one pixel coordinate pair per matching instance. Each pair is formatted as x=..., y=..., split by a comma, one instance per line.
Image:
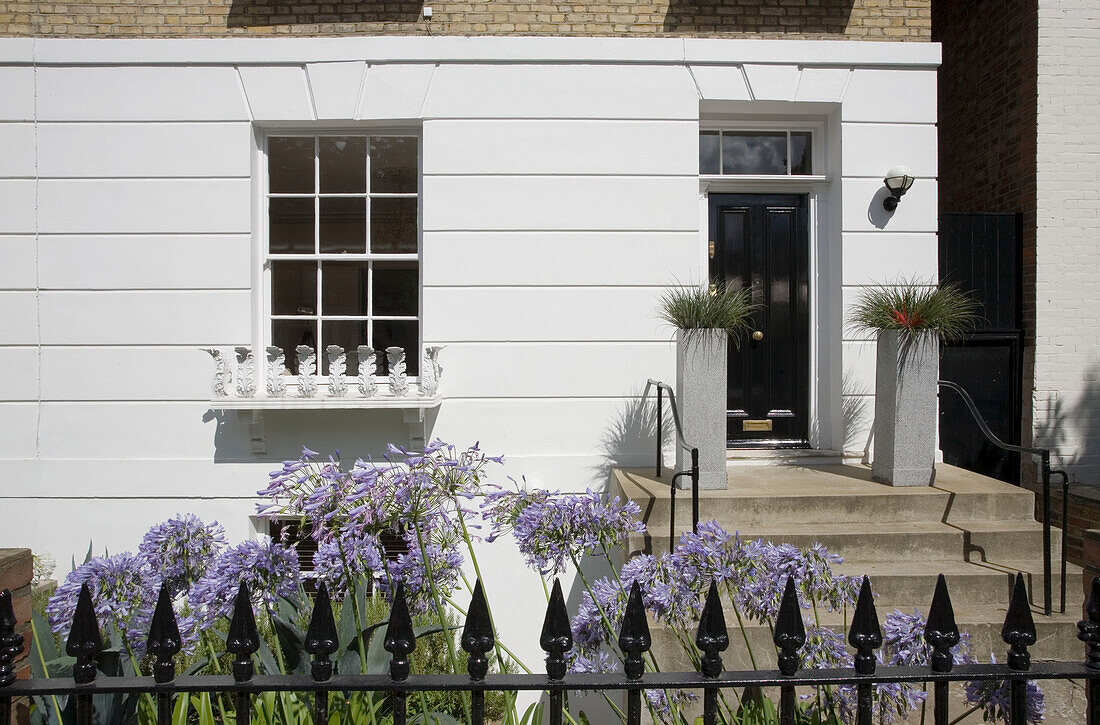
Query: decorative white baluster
x=276, y=365
x=431, y=372
x=307, y=371
x=367, y=366
x=220, y=384
x=337, y=364
x=246, y=372
x=399, y=381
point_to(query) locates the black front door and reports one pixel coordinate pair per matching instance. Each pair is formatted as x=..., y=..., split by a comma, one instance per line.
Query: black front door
x=761, y=241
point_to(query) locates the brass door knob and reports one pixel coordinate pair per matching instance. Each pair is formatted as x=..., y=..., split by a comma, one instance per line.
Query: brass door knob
x=757, y=336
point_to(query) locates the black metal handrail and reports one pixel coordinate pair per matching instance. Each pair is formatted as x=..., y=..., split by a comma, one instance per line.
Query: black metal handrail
x=1047, y=471
x=693, y=472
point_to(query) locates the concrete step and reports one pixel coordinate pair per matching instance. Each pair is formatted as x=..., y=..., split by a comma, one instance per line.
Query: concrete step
x=1056, y=638
x=894, y=541
x=779, y=495
x=905, y=585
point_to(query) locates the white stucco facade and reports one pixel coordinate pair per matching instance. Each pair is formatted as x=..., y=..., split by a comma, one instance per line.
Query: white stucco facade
x=560, y=194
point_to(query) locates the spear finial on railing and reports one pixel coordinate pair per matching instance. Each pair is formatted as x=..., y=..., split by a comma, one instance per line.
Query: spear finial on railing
x=712, y=637
x=940, y=631
x=244, y=638
x=164, y=637
x=1018, y=631
x=865, y=634
x=790, y=632
x=557, y=637
x=321, y=637
x=400, y=640
x=84, y=641
x=477, y=634
x=11, y=643
x=634, y=638
x=1088, y=629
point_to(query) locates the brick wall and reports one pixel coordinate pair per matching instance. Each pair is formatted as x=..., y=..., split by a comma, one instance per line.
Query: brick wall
x=1066, y=404
x=16, y=571
x=987, y=138
x=848, y=19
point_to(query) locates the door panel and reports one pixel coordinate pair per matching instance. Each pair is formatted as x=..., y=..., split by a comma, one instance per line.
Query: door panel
x=762, y=241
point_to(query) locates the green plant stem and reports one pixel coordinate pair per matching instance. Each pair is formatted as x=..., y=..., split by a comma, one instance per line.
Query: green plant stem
x=45, y=670
x=217, y=669
x=438, y=602
x=741, y=626
x=509, y=695
x=966, y=714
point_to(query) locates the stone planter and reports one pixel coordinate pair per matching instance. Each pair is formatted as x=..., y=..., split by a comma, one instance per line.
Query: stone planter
x=701, y=396
x=905, y=409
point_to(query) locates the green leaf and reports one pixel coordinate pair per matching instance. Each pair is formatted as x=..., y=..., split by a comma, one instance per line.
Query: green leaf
x=267, y=660
x=205, y=710
x=180, y=710
x=43, y=639
x=88, y=556
x=292, y=642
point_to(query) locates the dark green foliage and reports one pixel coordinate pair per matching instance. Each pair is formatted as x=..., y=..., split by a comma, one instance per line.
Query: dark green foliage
x=718, y=307
x=915, y=307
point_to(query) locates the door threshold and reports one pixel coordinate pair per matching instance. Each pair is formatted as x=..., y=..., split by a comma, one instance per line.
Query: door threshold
x=764, y=456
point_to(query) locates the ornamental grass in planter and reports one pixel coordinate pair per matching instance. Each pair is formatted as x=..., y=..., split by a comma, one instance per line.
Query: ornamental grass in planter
x=706, y=320
x=909, y=319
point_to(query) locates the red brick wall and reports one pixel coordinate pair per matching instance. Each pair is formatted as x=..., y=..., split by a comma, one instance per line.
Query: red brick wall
x=848, y=19
x=16, y=572
x=987, y=127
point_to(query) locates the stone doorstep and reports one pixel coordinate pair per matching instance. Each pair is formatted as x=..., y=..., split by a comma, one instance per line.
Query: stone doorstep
x=977, y=531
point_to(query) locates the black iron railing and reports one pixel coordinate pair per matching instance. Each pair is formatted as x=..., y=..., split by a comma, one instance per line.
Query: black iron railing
x=1046, y=472
x=693, y=472
x=478, y=639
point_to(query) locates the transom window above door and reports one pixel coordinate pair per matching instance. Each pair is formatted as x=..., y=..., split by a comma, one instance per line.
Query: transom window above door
x=342, y=249
x=755, y=153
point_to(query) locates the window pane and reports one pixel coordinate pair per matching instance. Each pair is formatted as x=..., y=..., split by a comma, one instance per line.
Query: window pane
x=392, y=164
x=396, y=286
x=393, y=226
x=291, y=226
x=754, y=153
x=348, y=335
x=290, y=165
x=289, y=334
x=343, y=162
x=801, y=153
x=708, y=152
x=343, y=225
x=293, y=288
x=400, y=334
x=344, y=288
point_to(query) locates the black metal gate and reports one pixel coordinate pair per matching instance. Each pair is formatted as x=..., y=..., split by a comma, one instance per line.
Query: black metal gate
x=981, y=253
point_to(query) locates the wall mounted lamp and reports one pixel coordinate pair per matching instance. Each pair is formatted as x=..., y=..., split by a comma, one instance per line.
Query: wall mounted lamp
x=898, y=180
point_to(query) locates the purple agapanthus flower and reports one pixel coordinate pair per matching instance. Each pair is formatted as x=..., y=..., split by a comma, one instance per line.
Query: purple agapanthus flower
x=342, y=561
x=663, y=702
x=121, y=591
x=179, y=550
x=994, y=697
x=269, y=568
x=444, y=563
x=554, y=531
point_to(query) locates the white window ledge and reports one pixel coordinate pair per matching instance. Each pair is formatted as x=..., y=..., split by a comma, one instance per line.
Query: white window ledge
x=381, y=401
